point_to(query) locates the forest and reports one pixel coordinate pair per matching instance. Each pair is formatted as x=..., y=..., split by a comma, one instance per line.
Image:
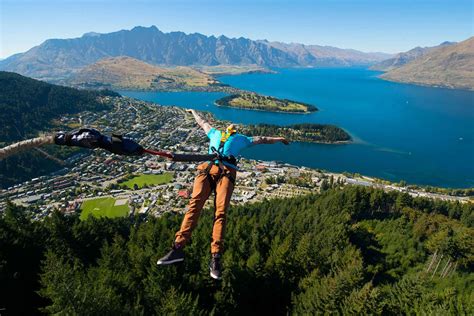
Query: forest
x=350, y=250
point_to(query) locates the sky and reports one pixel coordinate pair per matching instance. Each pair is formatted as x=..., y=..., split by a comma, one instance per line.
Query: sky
x=368, y=25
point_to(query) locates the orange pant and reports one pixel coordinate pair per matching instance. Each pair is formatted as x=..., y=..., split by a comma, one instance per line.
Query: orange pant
x=201, y=191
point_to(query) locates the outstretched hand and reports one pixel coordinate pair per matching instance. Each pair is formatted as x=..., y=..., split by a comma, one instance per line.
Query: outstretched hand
x=285, y=141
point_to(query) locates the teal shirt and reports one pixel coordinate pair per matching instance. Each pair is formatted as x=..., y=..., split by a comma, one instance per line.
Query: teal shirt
x=234, y=144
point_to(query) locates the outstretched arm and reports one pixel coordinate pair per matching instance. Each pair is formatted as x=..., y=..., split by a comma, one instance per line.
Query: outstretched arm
x=201, y=122
x=257, y=140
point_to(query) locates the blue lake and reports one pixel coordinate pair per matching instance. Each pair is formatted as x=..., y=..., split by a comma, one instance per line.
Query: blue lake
x=402, y=132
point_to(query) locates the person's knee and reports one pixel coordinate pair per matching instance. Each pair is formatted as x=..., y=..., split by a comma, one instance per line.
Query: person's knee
x=220, y=218
x=193, y=204
x=222, y=204
x=199, y=195
x=201, y=192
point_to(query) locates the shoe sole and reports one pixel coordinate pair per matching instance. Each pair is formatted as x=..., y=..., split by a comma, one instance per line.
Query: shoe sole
x=215, y=276
x=163, y=263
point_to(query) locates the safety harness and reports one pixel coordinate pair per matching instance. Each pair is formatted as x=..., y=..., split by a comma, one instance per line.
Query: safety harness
x=221, y=160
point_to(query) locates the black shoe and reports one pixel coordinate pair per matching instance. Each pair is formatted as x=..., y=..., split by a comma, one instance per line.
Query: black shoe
x=215, y=267
x=175, y=255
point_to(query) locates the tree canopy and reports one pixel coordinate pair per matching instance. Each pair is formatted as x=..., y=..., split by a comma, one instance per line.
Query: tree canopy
x=348, y=251
x=306, y=132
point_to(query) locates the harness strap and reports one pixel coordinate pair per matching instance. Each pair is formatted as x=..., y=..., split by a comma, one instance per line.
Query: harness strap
x=222, y=173
x=209, y=178
x=230, y=177
x=220, y=161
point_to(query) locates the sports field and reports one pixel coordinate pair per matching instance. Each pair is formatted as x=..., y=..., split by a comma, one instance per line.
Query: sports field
x=108, y=207
x=148, y=179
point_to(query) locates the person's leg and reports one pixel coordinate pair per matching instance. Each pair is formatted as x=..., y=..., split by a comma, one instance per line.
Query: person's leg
x=224, y=189
x=201, y=192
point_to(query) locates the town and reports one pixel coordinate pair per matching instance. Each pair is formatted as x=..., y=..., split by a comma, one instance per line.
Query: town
x=92, y=181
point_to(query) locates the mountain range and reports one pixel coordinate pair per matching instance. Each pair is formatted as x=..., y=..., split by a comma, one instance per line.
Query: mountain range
x=448, y=66
x=81, y=60
x=327, y=56
x=56, y=59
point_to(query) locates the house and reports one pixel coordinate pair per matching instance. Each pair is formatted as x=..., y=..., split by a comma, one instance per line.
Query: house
x=185, y=194
x=260, y=168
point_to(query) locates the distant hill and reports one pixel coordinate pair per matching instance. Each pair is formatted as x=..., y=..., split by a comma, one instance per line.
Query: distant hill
x=316, y=55
x=130, y=73
x=450, y=66
x=56, y=59
x=404, y=58
x=221, y=70
x=29, y=106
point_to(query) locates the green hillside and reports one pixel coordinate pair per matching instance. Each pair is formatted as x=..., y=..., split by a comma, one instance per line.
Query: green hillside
x=28, y=107
x=348, y=251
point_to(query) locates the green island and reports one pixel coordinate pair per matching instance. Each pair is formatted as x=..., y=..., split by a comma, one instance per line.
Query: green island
x=144, y=180
x=254, y=101
x=312, y=133
x=104, y=207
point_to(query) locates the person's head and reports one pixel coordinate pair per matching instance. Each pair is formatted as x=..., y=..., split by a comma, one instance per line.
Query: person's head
x=228, y=132
x=231, y=129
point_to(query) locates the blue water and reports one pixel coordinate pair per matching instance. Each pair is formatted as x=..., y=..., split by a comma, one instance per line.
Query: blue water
x=402, y=132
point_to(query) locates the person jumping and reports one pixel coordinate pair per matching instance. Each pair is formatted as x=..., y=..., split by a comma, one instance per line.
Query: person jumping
x=218, y=176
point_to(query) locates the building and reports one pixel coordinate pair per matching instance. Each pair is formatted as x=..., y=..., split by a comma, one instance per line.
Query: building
x=185, y=194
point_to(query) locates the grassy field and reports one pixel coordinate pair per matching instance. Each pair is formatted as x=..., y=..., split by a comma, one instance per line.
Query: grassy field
x=149, y=179
x=103, y=207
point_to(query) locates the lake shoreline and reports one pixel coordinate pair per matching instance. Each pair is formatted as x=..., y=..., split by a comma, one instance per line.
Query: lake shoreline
x=256, y=101
x=395, y=121
x=426, y=85
x=261, y=110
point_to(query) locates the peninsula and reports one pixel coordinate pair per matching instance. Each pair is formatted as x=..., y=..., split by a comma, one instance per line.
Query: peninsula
x=233, y=70
x=309, y=133
x=446, y=66
x=254, y=101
